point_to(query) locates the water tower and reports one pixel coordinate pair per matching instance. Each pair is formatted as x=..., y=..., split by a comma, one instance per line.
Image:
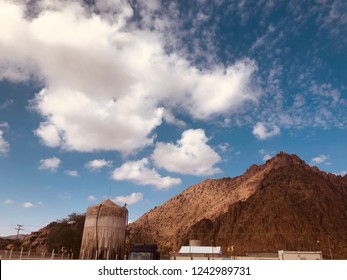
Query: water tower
x=104, y=232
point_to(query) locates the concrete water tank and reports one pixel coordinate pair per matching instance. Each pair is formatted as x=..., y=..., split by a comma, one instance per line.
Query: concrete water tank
x=104, y=232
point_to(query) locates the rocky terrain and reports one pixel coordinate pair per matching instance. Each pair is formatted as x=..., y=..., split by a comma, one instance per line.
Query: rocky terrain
x=37, y=240
x=66, y=233
x=283, y=204
x=6, y=243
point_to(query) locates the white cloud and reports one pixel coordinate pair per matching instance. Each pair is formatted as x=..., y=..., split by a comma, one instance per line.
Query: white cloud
x=49, y=134
x=91, y=198
x=4, y=145
x=113, y=80
x=264, y=39
x=342, y=173
x=191, y=155
x=97, y=164
x=140, y=173
x=51, y=164
x=330, y=95
x=27, y=205
x=130, y=199
x=262, y=132
x=31, y=205
x=8, y=201
x=227, y=122
x=6, y=104
x=267, y=157
x=265, y=154
x=4, y=125
x=221, y=91
x=72, y=173
x=171, y=119
x=320, y=159
x=224, y=147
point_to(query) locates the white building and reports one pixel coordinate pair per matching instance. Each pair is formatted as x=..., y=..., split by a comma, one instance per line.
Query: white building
x=282, y=255
x=300, y=255
x=198, y=253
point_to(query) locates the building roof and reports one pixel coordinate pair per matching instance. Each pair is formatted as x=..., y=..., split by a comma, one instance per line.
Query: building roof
x=200, y=250
x=107, y=203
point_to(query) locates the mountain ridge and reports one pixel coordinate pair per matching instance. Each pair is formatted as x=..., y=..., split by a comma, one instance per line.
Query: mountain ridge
x=212, y=209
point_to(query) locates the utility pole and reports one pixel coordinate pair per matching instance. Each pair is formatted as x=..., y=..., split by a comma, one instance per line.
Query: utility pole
x=212, y=242
x=18, y=228
x=331, y=252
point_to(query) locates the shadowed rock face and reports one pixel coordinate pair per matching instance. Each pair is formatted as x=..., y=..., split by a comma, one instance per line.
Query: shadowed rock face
x=66, y=233
x=283, y=204
x=38, y=240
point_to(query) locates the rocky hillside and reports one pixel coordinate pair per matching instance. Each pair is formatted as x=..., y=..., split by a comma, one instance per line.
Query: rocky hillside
x=7, y=243
x=283, y=204
x=66, y=234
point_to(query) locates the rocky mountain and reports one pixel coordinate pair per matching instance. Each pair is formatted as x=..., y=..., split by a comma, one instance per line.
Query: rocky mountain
x=283, y=204
x=37, y=240
x=14, y=237
x=65, y=233
x=6, y=243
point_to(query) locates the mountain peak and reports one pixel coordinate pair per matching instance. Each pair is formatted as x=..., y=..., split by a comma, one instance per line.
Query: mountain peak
x=282, y=159
x=276, y=198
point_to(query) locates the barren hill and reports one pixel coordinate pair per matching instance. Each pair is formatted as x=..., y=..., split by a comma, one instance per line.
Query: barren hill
x=282, y=204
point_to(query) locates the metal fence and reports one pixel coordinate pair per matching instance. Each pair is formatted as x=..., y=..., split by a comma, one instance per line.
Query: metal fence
x=29, y=255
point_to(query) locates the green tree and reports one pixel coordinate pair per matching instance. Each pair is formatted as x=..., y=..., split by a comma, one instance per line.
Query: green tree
x=66, y=235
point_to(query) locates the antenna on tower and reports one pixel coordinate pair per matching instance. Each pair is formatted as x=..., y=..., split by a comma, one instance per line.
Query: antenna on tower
x=109, y=192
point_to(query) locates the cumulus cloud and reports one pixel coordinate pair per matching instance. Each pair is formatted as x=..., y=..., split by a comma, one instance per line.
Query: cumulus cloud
x=265, y=154
x=31, y=205
x=267, y=157
x=91, y=198
x=51, y=164
x=190, y=155
x=320, y=159
x=48, y=134
x=171, y=119
x=8, y=201
x=114, y=78
x=72, y=173
x=129, y=199
x=27, y=205
x=140, y=173
x=262, y=131
x=97, y=164
x=221, y=91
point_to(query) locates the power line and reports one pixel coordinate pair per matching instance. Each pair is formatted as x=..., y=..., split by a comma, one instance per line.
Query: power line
x=18, y=228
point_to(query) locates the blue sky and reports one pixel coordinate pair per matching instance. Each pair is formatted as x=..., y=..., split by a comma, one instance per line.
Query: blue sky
x=138, y=100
